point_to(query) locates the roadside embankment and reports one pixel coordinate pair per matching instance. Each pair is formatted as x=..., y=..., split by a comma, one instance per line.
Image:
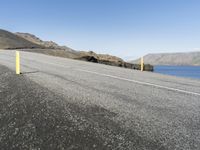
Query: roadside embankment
x=92, y=57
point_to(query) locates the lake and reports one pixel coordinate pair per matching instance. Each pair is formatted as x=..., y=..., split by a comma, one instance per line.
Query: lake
x=180, y=71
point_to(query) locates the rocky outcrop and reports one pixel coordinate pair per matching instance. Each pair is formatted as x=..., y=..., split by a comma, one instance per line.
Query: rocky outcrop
x=111, y=60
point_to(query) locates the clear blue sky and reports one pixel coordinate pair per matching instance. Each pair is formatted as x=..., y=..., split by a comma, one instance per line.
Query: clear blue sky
x=125, y=28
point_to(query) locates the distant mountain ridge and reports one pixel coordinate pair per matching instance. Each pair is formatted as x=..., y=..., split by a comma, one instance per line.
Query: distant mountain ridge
x=187, y=58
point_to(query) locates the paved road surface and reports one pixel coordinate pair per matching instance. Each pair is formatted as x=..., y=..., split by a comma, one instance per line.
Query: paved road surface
x=59, y=103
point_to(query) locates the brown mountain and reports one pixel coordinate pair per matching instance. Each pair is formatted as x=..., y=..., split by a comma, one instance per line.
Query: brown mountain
x=31, y=43
x=47, y=44
x=190, y=58
x=9, y=40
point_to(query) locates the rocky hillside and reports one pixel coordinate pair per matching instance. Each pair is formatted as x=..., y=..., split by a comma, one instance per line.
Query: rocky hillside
x=91, y=57
x=191, y=58
x=31, y=43
x=47, y=44
x=9, y=40
x=52, y=48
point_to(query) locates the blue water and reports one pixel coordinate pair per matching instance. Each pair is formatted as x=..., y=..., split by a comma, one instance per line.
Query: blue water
x=180, y=71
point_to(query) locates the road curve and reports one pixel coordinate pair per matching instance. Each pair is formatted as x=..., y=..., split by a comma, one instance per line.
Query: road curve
x=59, y=103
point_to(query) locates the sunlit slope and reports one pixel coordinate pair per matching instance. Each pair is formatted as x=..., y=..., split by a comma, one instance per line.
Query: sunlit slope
x=9, y=40
x=191, y=58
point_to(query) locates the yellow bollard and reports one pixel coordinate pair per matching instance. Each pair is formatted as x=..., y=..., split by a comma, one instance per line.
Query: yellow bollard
x=142, y=63
x=17, y=62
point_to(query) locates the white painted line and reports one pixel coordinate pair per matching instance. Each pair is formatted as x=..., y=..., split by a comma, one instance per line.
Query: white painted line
x=140, y=82
x=130, y=80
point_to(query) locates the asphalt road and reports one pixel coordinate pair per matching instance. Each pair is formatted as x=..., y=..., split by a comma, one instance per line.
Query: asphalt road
x=58, y=103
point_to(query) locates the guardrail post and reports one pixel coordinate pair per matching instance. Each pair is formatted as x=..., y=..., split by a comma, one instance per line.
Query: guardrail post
x=17, y=62
x=142, y=63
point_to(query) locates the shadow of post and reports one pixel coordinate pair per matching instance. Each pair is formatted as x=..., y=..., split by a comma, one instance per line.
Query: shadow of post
x=30, y=72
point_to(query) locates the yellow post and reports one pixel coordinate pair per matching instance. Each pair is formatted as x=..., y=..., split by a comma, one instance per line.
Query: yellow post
x=142, y=63
x=17, y=62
